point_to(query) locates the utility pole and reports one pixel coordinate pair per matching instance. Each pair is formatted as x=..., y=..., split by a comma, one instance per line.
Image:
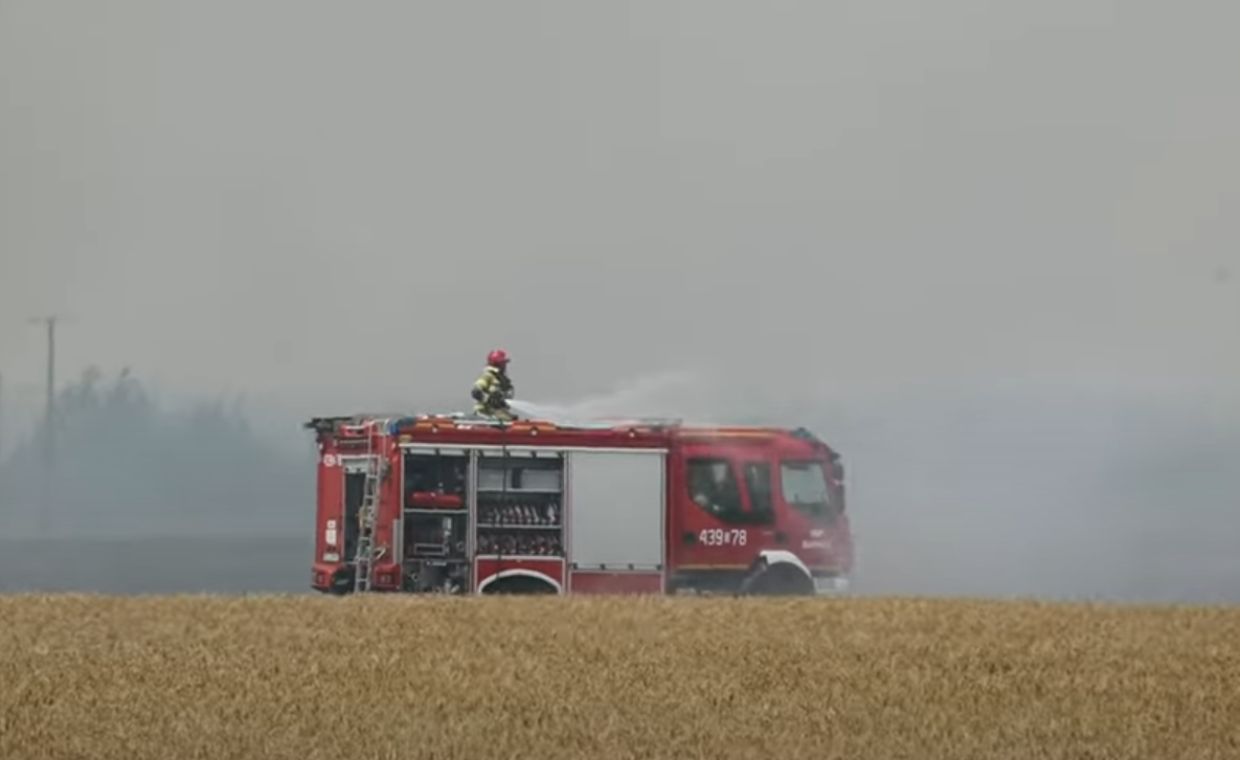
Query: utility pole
x=49, y=440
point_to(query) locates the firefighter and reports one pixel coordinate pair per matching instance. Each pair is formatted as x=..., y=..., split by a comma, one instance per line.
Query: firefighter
x=493, y=388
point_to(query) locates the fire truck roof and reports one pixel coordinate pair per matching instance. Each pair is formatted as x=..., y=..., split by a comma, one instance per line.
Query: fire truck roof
x=459, y=426
x=394, y=423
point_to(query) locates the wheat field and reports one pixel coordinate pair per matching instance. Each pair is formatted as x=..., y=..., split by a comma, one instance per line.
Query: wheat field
x=400, y=677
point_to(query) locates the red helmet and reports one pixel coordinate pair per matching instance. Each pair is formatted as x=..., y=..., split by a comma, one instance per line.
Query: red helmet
x=497, y=358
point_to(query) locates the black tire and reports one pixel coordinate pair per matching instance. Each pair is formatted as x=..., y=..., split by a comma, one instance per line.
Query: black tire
x=342, y=582
x=519, y=584
x=780, y=579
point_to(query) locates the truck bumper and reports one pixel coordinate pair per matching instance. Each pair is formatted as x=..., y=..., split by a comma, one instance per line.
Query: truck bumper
x=329, y=577
x=827, y=585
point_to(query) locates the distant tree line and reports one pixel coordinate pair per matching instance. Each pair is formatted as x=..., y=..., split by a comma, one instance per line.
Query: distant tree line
x=126, y=466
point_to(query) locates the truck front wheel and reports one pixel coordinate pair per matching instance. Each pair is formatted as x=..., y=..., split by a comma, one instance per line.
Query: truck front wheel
x=778, y=579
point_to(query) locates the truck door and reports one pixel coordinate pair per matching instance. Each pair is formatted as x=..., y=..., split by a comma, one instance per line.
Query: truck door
x=719, y=524
x=764, y=533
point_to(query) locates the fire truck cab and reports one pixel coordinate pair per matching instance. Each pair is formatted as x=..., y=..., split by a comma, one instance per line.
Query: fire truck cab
x=453, y=504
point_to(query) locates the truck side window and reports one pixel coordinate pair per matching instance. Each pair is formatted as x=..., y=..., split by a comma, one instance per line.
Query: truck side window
x=712, y=486
x=758, y=481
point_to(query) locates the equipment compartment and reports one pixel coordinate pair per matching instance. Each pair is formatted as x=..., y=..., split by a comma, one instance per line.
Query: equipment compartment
x=435, y=519
x=436, y=474
x=520, y=504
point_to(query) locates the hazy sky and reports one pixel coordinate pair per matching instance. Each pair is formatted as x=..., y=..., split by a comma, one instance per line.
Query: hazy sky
x=346, y=204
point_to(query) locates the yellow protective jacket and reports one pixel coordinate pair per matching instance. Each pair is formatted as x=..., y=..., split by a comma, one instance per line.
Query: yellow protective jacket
x=492, y=390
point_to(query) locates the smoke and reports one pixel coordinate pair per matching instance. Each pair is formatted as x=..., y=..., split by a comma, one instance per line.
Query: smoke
x=128, y=466
x=1041, y=491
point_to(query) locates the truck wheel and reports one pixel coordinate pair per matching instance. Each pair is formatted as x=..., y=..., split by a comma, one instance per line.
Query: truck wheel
x=779, y=579
x=519, y=584
x=342, y=582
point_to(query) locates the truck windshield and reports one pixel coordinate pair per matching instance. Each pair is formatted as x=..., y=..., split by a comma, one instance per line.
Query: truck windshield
x=805, y=488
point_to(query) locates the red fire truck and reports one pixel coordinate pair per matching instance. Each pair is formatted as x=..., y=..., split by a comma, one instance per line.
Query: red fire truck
x=454, y=504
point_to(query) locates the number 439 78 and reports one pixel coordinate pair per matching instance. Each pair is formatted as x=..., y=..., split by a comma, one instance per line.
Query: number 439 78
x=723, y=537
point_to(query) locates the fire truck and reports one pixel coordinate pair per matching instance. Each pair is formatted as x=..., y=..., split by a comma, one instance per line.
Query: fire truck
x=465, y=505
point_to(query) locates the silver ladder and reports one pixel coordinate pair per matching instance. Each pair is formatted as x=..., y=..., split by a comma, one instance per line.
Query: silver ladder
x=367, y=514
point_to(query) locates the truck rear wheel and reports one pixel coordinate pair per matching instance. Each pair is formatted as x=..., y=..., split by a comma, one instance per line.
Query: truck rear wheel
x=519, y=584
x=341, y=582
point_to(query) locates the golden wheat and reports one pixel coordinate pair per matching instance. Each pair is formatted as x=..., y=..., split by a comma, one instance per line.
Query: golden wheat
x=399, y=677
